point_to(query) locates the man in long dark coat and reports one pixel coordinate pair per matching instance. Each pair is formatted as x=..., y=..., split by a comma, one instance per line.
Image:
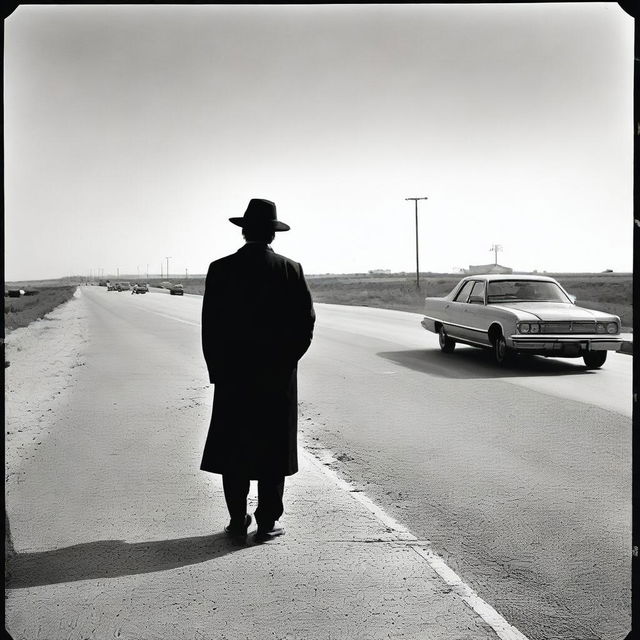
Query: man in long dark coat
x=257, y=322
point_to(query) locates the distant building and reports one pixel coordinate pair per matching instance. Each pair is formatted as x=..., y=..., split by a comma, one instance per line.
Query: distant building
x=487, y=268
x=379, y=271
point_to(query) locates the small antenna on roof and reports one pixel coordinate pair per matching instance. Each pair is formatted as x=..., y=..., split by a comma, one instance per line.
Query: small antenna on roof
x=495, y=248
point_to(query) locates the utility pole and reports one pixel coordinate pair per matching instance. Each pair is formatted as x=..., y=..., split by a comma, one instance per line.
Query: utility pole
x=495, y=248
x=186, y=274
x=167, y=257
x=417, y=258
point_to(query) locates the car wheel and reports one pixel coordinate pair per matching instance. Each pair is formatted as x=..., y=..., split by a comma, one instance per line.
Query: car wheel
x=446, y=343
x=594, y=359
x=501, y=353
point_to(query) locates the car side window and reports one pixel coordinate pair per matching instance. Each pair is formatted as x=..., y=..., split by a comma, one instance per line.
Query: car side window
x=477, y=295
x=463, y=294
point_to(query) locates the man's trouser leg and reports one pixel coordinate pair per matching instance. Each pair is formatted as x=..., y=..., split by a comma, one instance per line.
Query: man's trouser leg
x=270, y=507
x=236, y=490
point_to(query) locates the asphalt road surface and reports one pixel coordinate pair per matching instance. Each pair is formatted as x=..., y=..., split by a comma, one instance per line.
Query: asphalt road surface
x=520, y=478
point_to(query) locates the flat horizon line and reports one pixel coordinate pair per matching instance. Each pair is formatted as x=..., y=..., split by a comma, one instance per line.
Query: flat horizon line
x=385, y=275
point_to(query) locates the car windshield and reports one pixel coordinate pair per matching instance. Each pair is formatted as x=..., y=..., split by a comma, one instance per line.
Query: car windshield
x=524, y=291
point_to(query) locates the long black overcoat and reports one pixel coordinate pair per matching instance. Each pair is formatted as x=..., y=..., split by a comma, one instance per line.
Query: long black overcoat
x=257, y=322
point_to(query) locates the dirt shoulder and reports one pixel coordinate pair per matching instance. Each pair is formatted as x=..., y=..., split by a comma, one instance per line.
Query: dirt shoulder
x=44, y=357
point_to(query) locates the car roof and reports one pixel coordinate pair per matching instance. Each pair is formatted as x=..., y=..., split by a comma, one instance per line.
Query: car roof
x=509, y=276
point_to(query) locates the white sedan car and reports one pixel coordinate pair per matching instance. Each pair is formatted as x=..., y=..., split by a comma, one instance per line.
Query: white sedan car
x=521, y=314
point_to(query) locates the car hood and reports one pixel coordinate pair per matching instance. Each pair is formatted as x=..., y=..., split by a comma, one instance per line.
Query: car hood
x=551, y=311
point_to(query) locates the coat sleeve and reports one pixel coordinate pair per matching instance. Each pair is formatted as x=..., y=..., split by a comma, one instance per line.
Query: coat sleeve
x=305, y=317
x=210, y=333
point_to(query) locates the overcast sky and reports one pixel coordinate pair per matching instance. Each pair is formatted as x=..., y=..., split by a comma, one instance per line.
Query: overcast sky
x=133, y=133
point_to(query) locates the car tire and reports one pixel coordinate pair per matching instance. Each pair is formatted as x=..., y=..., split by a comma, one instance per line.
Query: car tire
x=501, y=352
x=447, y=344
x=594, y=359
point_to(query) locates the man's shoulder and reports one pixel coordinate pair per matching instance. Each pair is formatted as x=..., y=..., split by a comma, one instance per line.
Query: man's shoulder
x=222, y=262
x=237, y=259
x=278, y=257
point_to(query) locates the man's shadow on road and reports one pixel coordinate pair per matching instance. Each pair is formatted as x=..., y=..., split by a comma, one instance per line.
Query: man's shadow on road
x=112, y=559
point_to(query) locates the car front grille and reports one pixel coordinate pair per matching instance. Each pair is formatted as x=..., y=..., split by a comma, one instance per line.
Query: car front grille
x=569, y=327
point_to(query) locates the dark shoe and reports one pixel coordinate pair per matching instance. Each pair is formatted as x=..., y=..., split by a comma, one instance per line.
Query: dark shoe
x=264, y=534
x=238, y=531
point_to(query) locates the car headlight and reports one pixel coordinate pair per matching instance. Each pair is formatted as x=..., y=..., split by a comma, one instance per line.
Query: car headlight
x=612, y=327
x=535, y=328
x=523, y=327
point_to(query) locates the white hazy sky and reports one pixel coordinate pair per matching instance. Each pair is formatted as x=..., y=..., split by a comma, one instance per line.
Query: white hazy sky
x=134, y=132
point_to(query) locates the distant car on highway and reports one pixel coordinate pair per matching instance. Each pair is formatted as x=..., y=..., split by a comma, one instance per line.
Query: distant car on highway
x=176, y=290
x=140, y=288
x=521, y=314
x=111, y=286
x=123, y=286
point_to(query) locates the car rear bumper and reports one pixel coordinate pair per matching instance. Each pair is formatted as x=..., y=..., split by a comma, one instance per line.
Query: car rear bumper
x=567, y=344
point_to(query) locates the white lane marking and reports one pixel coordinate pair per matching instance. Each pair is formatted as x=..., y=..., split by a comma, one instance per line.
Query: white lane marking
x=502, y=628
x=325, y=457
x=165, y=315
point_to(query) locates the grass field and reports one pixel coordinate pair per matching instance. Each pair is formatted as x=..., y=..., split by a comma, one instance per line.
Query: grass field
x=612, y=293
x=19, y=312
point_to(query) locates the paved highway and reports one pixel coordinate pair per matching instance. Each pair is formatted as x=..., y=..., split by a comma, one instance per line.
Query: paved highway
x=520, y=478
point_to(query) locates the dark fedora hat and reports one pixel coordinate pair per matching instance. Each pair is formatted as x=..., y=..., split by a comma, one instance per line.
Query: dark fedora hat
x=261, y=213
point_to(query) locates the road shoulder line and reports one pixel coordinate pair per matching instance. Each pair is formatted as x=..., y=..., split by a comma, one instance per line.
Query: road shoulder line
x=503, y=629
